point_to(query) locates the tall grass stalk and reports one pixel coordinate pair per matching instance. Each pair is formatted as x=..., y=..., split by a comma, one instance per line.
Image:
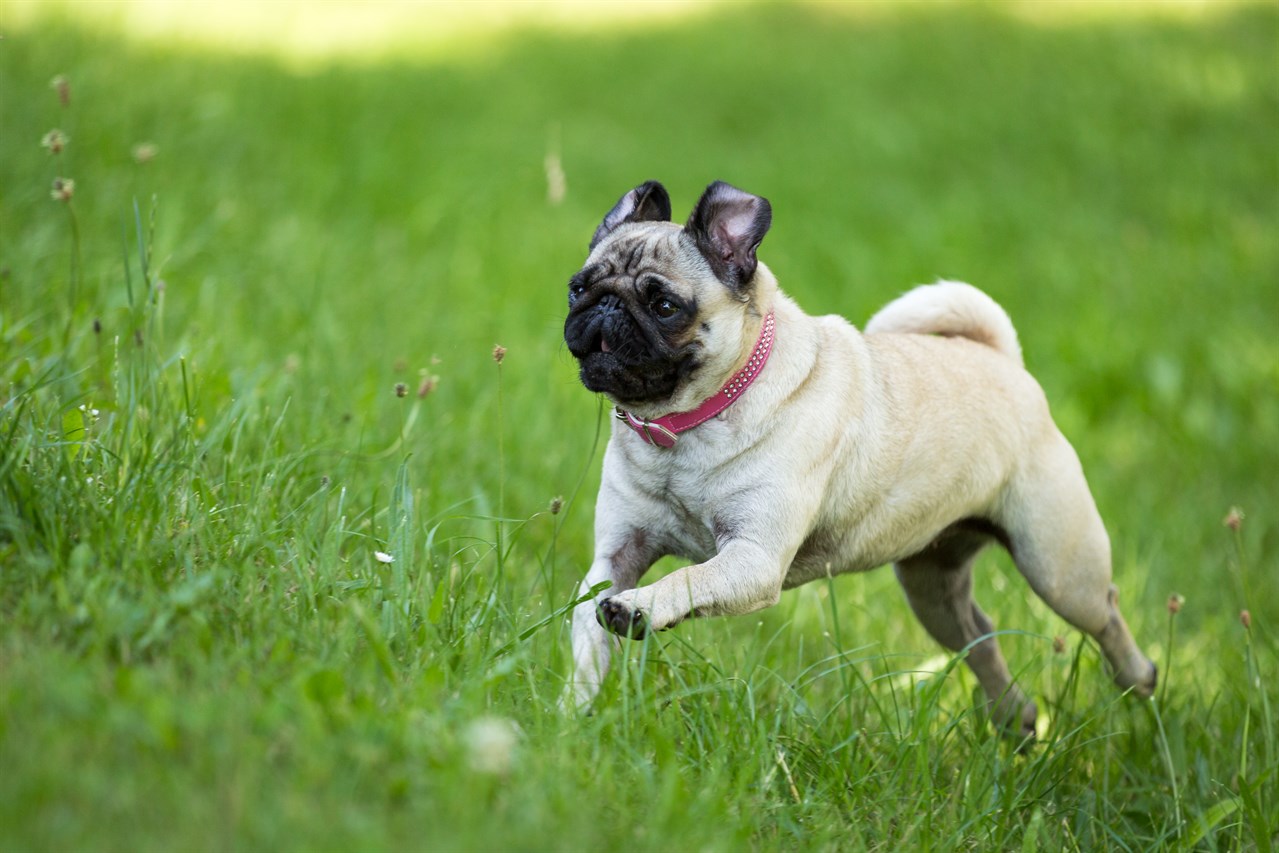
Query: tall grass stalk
x=73, y=277
x=1252, y=796
x=499, y=355
x=1175, y=603
x=1165, y=752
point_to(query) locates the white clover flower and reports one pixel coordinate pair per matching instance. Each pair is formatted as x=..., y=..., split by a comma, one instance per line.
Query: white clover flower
x=490, y=744
x=383, y=557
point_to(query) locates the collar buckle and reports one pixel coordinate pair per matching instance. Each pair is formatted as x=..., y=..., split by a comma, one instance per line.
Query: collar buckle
x=646, y=428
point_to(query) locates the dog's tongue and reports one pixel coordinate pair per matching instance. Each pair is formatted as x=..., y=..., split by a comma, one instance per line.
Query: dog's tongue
x=604, y=347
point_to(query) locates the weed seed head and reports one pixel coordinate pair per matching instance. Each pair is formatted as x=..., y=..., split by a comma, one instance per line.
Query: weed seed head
x=97, y=326
x=1233, y=519
x=1174, y=603
x=62, y=86
x=1059, y=645
x=1245, y=619
x=55, y=140
x=63, y=189
x=144, y=152
x=401, y=390
x=557, y=504
x=427, y=385
x=499, y=353
x=556, y=186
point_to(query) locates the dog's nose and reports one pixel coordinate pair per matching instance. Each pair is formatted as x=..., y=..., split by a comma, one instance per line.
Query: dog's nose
x=610, y=303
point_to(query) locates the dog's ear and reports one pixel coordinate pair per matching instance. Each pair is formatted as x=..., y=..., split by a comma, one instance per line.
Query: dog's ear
x=649, y=202
x=728, y=225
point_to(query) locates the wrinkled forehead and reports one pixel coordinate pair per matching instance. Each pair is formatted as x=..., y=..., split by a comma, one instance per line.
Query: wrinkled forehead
x=637, y=248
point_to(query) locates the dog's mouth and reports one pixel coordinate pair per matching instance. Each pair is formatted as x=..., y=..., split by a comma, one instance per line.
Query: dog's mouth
x=594, y=345
x=604, y=368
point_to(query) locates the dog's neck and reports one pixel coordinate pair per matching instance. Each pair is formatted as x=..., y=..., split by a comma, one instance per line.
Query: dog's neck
x=665, y=430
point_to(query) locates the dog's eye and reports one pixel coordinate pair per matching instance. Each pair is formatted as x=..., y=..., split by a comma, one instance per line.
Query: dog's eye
x=575, y=291
x=665, y=308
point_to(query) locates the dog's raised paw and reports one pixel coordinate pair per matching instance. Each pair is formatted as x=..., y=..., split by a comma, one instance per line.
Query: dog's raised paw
x=621, y=619
x=1143, y=685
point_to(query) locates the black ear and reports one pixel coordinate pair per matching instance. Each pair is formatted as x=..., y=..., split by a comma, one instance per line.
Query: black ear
x=649, y=202
x=728, y=225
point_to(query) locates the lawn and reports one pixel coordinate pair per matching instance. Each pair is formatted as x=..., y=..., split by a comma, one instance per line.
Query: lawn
x=286, y=548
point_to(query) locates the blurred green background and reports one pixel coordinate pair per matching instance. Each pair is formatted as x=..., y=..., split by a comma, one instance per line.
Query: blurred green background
x=341, y=197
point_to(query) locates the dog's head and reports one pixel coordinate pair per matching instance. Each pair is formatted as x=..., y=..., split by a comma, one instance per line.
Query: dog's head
x=660, y=316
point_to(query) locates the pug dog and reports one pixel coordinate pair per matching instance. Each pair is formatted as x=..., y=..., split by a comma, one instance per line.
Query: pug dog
x=772, y=448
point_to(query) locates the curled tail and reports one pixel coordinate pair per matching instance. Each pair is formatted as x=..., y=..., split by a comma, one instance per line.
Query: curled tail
x=951, y=309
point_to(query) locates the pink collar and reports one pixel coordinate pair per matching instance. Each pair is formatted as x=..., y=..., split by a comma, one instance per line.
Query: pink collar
x=664, y=431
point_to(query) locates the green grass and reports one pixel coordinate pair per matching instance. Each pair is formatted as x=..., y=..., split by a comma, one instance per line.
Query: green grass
x=199, y=648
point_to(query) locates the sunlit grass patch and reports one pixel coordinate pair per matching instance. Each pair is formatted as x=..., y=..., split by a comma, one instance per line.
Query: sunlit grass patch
x=306, y=32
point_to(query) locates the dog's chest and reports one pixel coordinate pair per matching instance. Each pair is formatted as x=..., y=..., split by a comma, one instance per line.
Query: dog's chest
x=684, y=505
x=689, y=519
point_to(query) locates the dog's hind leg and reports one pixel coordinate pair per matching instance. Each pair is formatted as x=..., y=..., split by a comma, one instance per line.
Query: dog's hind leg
x=1060, y=545
x=938, y=584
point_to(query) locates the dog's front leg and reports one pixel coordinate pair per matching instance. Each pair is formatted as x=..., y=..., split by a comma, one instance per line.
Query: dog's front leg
x=742, y=577
x=621, y=558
